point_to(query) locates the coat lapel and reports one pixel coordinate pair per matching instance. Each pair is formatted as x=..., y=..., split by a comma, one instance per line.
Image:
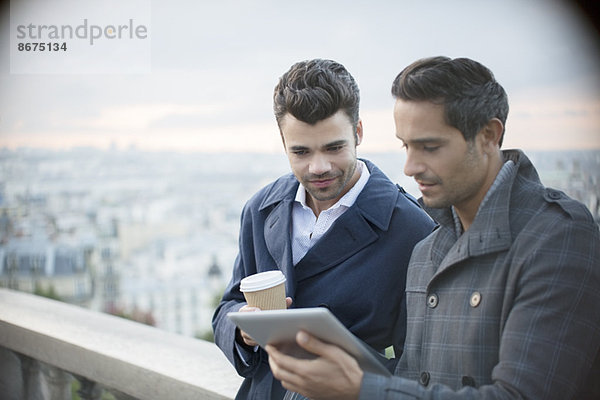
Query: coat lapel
x=489, y=233
x=277, y=232
x=348, y=235
x=486, y=236
x=353, y=230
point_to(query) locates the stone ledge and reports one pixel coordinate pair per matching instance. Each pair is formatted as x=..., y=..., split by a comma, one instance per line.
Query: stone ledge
x=139, y=360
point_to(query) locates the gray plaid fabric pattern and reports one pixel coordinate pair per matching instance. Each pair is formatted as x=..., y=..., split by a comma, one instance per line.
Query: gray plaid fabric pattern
x=293, y=396
x=509, y=308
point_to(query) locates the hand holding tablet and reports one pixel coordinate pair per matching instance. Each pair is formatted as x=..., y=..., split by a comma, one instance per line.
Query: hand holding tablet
x=279, y=327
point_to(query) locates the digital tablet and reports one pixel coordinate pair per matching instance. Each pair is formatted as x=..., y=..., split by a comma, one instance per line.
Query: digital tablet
x=279, y=327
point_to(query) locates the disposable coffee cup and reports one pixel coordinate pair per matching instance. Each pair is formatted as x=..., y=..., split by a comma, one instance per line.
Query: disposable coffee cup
x=265, y=290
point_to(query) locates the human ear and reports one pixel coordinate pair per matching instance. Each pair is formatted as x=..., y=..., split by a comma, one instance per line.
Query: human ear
x=359, y=132
x=492, y=133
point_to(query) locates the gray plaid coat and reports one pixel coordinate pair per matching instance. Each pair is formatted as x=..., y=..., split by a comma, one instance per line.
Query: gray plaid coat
x=508, y=310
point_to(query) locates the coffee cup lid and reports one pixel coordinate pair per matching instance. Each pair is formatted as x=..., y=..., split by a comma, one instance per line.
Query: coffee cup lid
x=261, y=281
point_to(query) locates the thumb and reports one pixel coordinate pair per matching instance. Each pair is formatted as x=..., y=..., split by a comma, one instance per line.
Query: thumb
x=312, y=344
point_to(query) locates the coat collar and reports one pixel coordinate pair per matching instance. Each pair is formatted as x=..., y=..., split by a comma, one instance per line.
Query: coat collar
x=284, y=189
x=352, y=232
x=375, y=206
x=490, y=231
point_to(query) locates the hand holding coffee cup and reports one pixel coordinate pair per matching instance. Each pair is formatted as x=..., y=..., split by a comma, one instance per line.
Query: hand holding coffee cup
x=264, y=291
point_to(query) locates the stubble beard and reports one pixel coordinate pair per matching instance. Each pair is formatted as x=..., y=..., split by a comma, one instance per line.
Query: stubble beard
x=458, y=191
x=340, y=185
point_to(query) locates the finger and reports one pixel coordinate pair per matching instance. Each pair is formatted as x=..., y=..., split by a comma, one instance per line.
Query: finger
x=277, y=363
x=248, y=308
x=291, y=387
x=314, y=345
x=250, y=342
x=288, y=302
x=248, y=339
x=274, y=361
x=283, y=361
x=271, y=349
x=273, y=353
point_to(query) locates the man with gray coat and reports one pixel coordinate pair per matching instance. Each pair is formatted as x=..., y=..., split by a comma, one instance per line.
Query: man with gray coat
x=503, y=299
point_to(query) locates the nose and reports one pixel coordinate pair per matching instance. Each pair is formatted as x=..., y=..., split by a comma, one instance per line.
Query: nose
x=413, y=166
x=319, y=164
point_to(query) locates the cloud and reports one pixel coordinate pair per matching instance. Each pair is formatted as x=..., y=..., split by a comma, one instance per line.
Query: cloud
x=554, y=123
x=141, y=117
x=213, y=72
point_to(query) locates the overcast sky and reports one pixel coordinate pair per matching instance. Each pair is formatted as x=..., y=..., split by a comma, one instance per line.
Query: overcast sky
x=214, y=64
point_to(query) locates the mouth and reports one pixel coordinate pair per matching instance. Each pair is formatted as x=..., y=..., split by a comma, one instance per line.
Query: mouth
x=425, y=186
x=322, y=183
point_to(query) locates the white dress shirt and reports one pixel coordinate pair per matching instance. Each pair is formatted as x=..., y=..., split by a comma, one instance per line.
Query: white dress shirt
x=307, y=229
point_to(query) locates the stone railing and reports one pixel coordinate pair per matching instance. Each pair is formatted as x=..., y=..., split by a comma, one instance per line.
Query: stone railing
x=45, y=344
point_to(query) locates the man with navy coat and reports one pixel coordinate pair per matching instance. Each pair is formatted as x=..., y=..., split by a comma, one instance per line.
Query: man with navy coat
x=340, y=231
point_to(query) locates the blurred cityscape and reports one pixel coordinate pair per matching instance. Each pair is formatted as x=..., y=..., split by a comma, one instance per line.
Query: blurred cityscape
x=153, y=236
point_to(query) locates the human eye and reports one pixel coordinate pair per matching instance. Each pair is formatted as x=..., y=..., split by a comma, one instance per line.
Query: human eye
x=431, y=148
x=299, y=152
x=335, y=148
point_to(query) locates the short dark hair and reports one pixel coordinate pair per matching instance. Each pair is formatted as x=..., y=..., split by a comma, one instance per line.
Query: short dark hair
x=314, y=90
x=470, y=94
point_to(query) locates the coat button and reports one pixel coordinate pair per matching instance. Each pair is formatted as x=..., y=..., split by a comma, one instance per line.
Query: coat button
x=424, y=378
x=468, y=381
x=475, y=299
x=554, y=195
x=432, y=300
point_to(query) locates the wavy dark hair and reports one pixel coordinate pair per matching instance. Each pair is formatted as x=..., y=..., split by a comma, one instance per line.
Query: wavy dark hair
x=470, y=94
x=314, y=90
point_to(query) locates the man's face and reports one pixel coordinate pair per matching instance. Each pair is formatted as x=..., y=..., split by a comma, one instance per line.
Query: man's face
x=448, y=169
x=322, y=156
